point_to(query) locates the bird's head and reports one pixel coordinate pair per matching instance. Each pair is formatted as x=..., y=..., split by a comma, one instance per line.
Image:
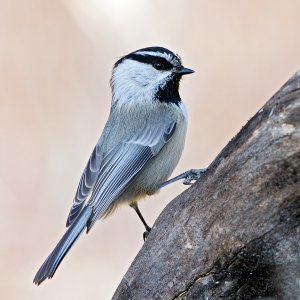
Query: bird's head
x=148, y=74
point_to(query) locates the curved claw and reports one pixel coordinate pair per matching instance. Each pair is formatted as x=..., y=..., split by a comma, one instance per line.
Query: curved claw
x=188, y=176
x=146, y=233
x=193, y=174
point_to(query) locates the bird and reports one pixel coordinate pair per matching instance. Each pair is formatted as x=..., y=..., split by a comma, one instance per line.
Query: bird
x=139, y=147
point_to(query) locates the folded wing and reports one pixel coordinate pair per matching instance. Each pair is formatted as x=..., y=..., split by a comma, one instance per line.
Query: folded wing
x=108, y=177
x=122, y=164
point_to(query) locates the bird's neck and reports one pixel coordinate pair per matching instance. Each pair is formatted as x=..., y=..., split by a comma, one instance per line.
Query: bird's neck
x=167, y=93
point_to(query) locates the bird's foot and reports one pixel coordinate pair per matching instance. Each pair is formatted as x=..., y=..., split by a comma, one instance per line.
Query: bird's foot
x=146, y=233
x=193, y=175
x=188, y=176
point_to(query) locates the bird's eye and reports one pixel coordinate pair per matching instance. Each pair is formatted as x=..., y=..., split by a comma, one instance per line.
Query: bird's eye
x=158, y=66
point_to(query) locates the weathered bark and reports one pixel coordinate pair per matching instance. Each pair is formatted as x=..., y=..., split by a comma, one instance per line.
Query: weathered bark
x=235, y=233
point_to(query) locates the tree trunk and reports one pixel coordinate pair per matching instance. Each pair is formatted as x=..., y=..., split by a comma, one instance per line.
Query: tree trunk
x=234, y=234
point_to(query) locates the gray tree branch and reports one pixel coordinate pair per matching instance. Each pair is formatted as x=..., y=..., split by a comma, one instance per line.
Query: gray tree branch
x=235, y=233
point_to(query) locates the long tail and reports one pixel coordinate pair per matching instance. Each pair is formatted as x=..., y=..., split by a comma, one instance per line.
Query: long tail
x=52, y=262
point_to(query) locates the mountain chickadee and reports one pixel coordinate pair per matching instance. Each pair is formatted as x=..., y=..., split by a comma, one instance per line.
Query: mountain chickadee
x=139, y=148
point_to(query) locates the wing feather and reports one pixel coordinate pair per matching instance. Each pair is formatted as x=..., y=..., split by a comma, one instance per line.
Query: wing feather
x=123, y=163
x=86, y=183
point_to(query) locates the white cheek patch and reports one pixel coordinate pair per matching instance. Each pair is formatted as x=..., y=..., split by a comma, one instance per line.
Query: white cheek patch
x=133, y=80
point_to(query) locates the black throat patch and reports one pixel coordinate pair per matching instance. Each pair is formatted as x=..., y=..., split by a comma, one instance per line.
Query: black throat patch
x=169, y=93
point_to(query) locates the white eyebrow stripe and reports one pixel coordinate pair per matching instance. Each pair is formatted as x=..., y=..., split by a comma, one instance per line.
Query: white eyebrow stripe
x=165, y=55
x=152, y=53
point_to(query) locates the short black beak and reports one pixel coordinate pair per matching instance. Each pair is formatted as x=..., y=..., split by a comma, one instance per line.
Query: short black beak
x=183, y=71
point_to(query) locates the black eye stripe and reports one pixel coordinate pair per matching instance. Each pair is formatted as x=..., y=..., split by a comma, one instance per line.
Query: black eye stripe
x=148, y=59
x=152, y=60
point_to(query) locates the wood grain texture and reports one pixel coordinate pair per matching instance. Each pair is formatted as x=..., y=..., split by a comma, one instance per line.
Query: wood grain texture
x=235, y=233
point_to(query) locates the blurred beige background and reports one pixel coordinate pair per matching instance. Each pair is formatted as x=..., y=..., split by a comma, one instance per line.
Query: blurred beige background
x=55, y=64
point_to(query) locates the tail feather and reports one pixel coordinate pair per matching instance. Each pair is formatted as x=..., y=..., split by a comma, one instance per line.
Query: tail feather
x=52, y=262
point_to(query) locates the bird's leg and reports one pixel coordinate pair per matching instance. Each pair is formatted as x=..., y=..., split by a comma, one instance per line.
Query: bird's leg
x=188, y=176
x=148, y=228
